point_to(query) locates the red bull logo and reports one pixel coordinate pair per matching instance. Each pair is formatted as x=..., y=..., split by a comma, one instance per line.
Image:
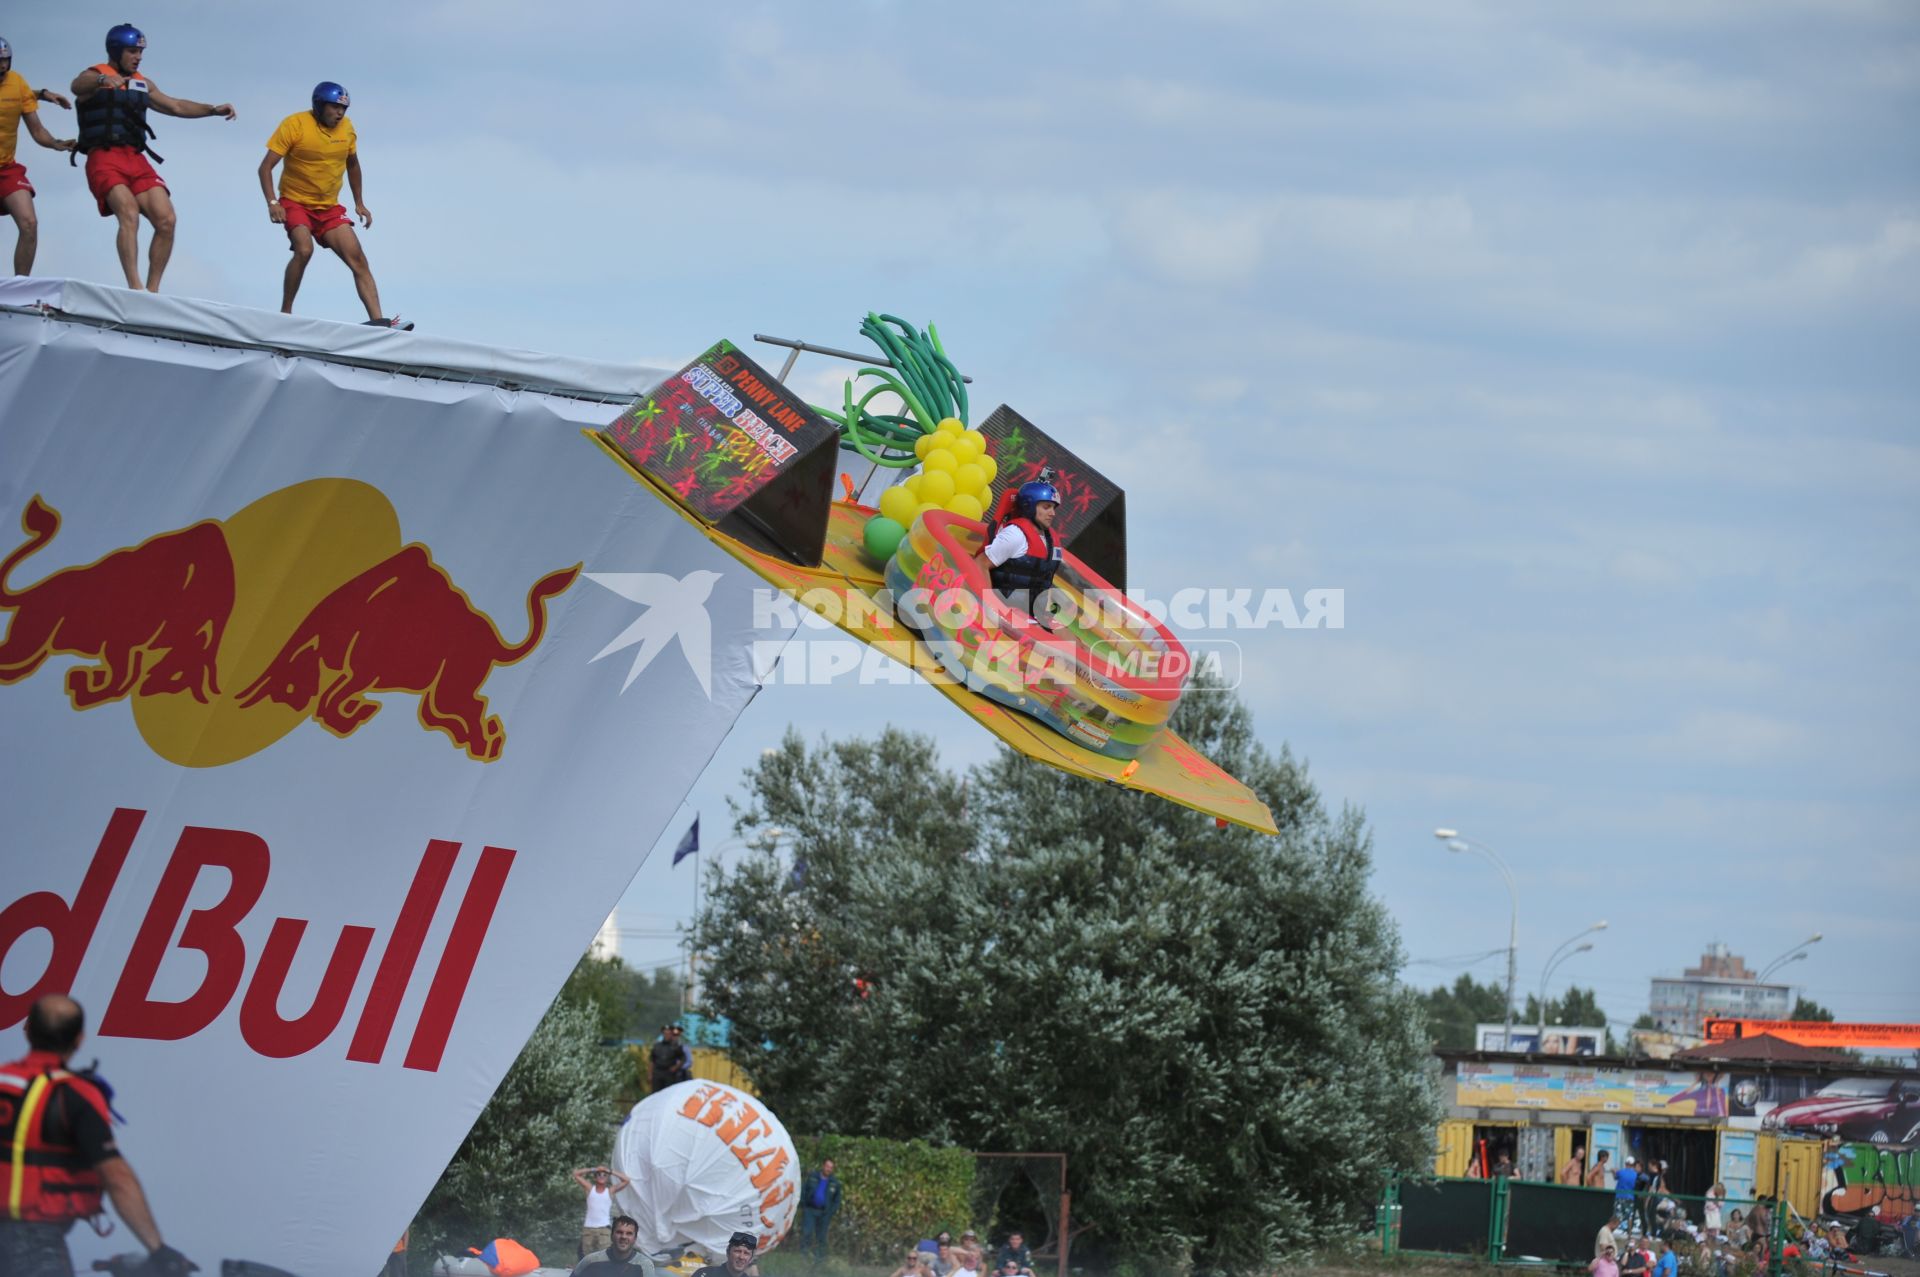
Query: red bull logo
x=402, y=625
x=305, y=601
x=152, y=616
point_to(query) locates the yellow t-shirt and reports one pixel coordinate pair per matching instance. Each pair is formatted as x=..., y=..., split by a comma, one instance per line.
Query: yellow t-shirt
x=316, y=159
x=16, y=100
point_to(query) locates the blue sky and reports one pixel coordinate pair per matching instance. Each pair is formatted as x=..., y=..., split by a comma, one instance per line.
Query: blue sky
x=1565, y=339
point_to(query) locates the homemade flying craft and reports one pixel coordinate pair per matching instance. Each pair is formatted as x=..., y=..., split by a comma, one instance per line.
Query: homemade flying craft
x=1086, y=683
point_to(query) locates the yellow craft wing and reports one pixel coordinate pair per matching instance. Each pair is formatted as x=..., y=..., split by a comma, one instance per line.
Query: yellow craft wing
x=842, y=589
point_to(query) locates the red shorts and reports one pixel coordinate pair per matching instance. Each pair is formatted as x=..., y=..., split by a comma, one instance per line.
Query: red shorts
x=119, y=166
x=317, y=220
x=13, y=177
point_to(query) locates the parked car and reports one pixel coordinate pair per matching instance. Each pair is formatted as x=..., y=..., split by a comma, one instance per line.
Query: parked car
x=1877, y=1109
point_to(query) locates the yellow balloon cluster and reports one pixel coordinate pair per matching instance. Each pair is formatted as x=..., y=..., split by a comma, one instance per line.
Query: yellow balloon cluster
x=956, y=475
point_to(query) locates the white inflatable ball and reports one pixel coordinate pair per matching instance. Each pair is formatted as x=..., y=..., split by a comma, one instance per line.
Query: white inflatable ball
x=706, y=1161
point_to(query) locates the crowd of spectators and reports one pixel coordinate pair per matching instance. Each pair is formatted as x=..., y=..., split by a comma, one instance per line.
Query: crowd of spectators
x=608, y=1240
x=1671, y=1244
x=941, y=1256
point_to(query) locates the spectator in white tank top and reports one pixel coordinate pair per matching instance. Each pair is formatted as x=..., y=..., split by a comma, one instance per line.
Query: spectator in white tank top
x=596, y=1232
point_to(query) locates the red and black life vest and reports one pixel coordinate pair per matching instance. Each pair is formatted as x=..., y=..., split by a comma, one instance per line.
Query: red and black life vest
x=38, y=1180
x=1033, y=571
x=114, y=117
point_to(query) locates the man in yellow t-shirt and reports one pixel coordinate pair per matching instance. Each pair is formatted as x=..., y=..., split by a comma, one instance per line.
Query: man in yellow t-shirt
x=18, y=104
x=319, y=149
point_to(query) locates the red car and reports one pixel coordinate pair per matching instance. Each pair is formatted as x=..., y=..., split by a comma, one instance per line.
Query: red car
x=1881, y=1110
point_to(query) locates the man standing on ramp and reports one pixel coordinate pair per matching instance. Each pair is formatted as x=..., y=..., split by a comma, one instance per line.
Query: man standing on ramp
x=114, y=98
x=320, y=149
x=20, y=104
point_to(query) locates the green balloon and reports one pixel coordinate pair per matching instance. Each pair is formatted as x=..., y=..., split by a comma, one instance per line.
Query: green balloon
x=882, y=536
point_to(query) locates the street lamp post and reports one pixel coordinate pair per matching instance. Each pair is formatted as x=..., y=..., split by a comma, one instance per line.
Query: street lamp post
x=1787, y=962
x=1557, y=957
x=1794, y=954
x=1455, y=843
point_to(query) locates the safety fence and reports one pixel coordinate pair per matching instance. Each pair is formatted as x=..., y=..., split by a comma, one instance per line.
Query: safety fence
x=1522, y=1222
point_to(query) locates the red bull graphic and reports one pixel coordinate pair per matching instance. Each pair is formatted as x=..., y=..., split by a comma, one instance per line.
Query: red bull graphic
x=403, y=626
x=304, y=600
x=152, y=615
x=349, y=793
x=243, y=862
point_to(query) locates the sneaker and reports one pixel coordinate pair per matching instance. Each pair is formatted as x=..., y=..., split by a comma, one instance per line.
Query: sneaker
x=405, y=326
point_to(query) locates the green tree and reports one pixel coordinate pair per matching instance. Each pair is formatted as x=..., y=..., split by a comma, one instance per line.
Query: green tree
x=1453, y=1013
x=606, y=987
x=1205, y=1021
x=553, y=1111
x=1578, y=1008
x=628, y=1004
x=656, y=1002
x=1805, y=1008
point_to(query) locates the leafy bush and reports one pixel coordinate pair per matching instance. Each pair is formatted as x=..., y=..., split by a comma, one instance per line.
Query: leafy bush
x=894, y=1193
x=552, y=1112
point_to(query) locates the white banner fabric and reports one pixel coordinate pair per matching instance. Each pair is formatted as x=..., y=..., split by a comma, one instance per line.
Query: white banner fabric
x=347, y=343
x=337, y=709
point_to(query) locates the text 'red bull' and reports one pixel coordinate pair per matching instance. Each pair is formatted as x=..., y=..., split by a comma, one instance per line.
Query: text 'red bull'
x=213, y=931
x=152, y=615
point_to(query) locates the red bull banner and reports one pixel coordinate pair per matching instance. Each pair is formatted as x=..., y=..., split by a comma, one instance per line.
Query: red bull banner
x=338, y=708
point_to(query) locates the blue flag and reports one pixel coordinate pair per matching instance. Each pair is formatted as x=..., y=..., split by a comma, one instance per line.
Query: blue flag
x=689, y=844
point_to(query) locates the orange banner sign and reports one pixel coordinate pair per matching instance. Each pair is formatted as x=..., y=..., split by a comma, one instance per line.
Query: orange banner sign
x=1899, y=1037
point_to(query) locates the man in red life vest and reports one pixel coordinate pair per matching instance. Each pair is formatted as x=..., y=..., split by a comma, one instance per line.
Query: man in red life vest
x=60, y=1154
x=1021, y=554
x=113, y=100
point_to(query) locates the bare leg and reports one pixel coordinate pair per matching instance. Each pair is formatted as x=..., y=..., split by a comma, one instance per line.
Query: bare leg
x=158, y=206
x=20, y=205
x=346, y=244
x=300, y=238
x=126, y=239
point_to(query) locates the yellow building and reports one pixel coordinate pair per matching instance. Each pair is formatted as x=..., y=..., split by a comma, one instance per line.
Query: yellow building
x=1760, y=1128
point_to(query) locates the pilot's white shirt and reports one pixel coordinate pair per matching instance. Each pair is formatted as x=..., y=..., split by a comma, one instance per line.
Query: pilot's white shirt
x=1009, y=543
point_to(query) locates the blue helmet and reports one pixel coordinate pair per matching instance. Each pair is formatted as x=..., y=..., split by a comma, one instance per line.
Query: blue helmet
x=124, y=36
x=1032, y=494
x=6, y=50
x=328, y=91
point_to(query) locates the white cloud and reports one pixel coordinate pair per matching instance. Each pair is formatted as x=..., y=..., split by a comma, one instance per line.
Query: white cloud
x=1191, y=242
x=1646, y=568
x=1716, y=737
x=1622, y=91
x=1690, y=671
x=1219, y=390
x=1221, y=238
x=1888, y=258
